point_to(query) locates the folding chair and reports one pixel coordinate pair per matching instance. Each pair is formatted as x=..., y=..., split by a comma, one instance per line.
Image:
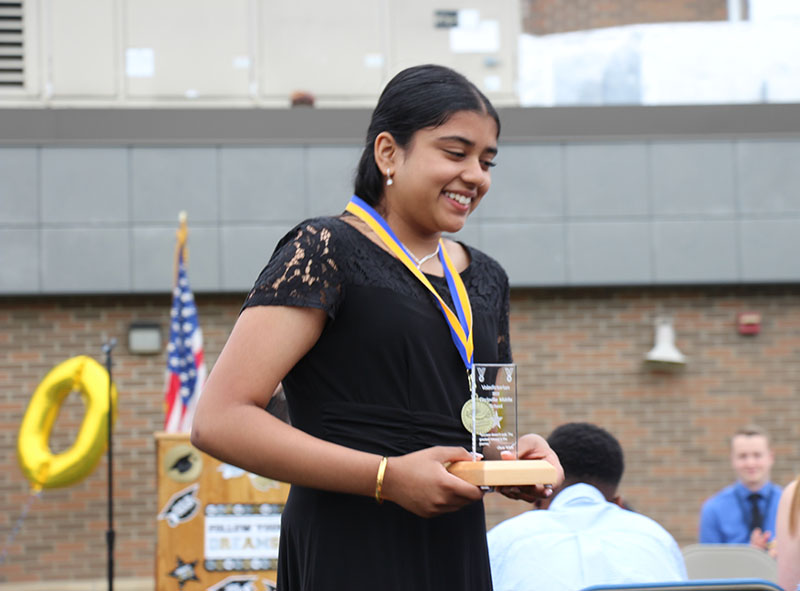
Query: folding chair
x=730, y=561
x=700, y=585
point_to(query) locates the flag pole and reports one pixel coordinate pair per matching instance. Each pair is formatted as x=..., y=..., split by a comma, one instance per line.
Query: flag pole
x=107, y=348
x=185, y=358
x=180, y=246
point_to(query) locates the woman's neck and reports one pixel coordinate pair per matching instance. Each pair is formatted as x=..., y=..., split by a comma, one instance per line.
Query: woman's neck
x=420, y=242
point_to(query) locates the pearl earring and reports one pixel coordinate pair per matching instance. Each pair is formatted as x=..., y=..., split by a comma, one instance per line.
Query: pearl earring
x=389, y=181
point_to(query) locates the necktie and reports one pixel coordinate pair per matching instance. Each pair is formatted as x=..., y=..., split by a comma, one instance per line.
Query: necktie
x=756, y=519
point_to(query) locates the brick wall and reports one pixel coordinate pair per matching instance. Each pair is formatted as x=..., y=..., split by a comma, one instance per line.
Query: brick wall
x=579, y=353
x=64, y=533
x=542, y=17
x=580, y=356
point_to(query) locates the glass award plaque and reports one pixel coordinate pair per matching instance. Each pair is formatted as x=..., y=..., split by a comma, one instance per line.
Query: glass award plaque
x=490, y=415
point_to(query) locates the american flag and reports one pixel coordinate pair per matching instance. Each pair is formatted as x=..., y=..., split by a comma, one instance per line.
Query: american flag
x=186, y=368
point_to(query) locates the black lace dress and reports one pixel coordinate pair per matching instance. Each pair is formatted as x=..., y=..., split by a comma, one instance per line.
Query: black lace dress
x=386, y=378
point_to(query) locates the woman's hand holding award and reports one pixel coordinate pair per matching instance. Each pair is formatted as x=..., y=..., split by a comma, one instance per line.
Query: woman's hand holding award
x=490, y=415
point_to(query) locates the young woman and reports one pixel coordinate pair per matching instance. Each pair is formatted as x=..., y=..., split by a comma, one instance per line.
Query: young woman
x=350, y=314
x=787, y=525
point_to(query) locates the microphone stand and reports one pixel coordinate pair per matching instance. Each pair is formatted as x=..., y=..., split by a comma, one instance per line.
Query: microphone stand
x=107, y=347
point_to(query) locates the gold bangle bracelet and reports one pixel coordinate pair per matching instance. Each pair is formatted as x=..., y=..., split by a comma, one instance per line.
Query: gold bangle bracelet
x=379, y=480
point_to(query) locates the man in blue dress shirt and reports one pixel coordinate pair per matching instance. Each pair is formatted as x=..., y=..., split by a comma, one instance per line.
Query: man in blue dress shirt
x=584, y=537
x=745, y=511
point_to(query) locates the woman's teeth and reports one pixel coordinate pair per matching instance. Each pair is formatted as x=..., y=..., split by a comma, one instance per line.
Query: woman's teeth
x=459, y=198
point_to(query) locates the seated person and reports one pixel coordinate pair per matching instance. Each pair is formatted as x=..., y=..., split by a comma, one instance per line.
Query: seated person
x=584, y=537
x=744, y=512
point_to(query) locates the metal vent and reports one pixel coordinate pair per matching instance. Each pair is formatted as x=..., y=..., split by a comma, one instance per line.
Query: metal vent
x=12, y=51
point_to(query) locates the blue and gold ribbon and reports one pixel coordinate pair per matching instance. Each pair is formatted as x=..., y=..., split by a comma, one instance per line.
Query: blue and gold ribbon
x=460, y=321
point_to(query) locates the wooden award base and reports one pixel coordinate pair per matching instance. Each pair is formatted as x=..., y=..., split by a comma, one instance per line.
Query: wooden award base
x=505, y=472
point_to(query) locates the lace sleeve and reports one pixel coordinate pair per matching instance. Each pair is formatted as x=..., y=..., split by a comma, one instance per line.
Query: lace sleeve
x=302, y=272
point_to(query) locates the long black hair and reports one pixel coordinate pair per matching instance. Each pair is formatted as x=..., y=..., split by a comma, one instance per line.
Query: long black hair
x=416, y=98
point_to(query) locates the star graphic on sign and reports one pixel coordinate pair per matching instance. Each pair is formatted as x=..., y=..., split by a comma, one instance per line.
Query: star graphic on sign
x=229, y=471
x=496, y=420
x=184, y=572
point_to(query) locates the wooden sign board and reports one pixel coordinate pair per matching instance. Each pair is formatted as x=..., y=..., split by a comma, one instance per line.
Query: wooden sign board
x=217, y=525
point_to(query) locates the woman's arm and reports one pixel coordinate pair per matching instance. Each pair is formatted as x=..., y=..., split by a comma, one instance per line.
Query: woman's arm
x=788, y=545
x=230, y=422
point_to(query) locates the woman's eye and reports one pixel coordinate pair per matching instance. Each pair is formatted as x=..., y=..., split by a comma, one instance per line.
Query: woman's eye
x=456, y=154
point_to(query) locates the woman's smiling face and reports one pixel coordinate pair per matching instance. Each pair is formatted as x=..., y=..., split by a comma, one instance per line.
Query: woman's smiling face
x=440, y=178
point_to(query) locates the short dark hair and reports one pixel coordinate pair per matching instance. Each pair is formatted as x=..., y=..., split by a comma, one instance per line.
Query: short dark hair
x=416, y=98
x=588, y=453
x=751, y=430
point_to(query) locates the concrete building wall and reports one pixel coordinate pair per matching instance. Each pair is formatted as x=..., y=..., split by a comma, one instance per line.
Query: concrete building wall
x=580, y=196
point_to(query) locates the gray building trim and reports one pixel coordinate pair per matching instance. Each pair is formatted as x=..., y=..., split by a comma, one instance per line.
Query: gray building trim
x=346, y=126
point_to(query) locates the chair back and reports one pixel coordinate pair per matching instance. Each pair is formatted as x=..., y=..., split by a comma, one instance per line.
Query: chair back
x=728, y=561
x=707, y=585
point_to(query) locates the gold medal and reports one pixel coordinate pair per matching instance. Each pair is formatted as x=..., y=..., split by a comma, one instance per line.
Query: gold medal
x=484, y=415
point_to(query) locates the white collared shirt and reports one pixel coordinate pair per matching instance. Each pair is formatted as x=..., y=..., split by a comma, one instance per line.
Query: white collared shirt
x=581, y=540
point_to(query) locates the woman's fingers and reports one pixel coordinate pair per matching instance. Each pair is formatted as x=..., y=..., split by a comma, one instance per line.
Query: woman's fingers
x=420, y=482
x=533, y=447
